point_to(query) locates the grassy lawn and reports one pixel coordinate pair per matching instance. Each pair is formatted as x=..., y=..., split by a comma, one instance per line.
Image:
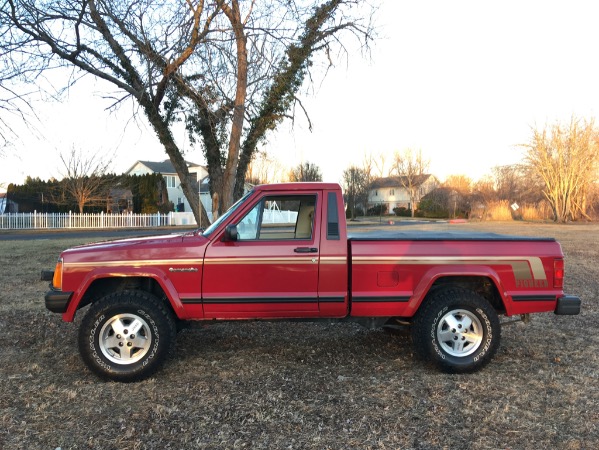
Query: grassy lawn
x=300, y=385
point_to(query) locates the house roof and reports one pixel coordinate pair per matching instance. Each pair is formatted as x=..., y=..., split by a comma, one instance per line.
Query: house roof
x=397, y=182
x=163, y=167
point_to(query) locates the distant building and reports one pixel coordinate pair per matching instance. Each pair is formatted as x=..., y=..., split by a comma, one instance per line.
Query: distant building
x=390, y=191
x=6, y=205
x=173, y=184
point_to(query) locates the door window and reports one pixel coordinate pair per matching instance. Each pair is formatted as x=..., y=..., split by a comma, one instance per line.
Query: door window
x=279, y=218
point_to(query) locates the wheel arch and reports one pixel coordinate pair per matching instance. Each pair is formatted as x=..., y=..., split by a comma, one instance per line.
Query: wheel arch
x=484, y=286
x=484, y=283
x=101, y=284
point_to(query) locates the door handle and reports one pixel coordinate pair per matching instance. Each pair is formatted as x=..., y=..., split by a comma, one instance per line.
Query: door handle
x=306, y=250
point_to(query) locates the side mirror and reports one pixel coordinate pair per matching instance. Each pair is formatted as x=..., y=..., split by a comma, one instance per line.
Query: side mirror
x=231, y=233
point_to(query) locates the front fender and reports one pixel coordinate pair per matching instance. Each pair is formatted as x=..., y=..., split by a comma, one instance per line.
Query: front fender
x=109, y=272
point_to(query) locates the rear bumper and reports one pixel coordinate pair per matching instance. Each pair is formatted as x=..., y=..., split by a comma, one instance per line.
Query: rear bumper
x=58, y=301
x=568, y=305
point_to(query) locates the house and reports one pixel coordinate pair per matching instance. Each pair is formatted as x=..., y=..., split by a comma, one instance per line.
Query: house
x=390, y=191
x=6, y=205
x=173, y=185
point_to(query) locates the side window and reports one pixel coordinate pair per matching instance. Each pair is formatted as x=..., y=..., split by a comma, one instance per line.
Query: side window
x=279, y=218
x=170, y=181
x=247, y=229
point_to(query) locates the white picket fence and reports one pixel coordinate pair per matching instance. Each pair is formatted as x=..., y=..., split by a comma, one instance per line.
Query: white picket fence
x=36, y=220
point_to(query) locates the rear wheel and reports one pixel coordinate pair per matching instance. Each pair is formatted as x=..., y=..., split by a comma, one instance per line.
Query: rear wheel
x=126, y=336
x=457, y=329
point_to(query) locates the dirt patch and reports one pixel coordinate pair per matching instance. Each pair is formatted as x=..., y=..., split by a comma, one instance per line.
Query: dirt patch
x=280, y=385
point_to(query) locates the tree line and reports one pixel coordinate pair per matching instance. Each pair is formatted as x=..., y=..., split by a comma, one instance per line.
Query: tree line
x=560, y=170
x=559, y=173
x=142, y=194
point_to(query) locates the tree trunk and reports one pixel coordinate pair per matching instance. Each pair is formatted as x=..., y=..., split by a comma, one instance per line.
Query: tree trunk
x=189, y=187
x=234, y=16
x=281, y=93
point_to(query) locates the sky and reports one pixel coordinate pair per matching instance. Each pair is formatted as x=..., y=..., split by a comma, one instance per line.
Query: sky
x=462, y=81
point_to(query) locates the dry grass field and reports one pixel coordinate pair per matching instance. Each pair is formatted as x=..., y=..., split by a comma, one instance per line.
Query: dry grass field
x=300, y=385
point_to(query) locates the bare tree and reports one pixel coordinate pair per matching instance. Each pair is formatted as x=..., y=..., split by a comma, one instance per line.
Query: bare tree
x=566, y=158
x=411, y=167
x=370, y=166
x=355, y=185
x=14, y=106
x=459, y=195
x=264, y=169
x=381, y=166
x=306, y=171
x=84, y=179
x=459, y=183
x=230, y=70
x=484, y=191
x=516, y=182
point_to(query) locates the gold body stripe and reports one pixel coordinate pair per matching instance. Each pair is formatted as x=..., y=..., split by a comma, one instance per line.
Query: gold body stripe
x=281, y=260
x=136, y=262
x=524, y=267
x=333, y=260
x=527, y=267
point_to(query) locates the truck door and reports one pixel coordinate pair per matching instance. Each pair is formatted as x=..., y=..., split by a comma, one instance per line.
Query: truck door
x=272, y=269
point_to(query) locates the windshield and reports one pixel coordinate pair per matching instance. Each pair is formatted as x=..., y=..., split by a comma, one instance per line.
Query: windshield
x=222, y=218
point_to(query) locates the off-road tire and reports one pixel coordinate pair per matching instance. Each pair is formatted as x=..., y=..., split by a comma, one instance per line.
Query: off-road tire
x=457, y=330
x=127, y=335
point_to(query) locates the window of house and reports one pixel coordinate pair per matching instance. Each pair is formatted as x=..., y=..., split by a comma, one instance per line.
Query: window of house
x=392, y=192
x=170, y=181
x=279, y=217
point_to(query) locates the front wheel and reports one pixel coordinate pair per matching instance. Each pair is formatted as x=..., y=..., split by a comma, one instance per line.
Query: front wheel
x=457, y=329
x=126, y=335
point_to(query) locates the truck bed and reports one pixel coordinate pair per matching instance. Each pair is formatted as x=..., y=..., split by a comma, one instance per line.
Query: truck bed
x=417, y=235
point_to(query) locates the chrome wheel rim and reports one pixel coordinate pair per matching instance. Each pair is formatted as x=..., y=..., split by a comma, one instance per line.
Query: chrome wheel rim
x=125, y=339
x=459, y=333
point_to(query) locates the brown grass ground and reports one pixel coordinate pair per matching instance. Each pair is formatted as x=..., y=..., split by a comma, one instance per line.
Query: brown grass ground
x=280, y=385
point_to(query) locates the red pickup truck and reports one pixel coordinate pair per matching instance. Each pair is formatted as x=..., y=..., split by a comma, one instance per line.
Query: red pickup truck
x=282, y=252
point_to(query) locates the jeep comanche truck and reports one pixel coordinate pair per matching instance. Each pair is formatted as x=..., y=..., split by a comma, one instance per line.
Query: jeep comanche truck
x=282, y=252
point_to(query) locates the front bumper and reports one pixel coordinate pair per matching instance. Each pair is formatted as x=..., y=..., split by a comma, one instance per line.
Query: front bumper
x=58, y=301
x=568, y=305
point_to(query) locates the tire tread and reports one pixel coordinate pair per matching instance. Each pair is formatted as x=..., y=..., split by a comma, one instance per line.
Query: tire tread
x=129, y=299
x=452, y=297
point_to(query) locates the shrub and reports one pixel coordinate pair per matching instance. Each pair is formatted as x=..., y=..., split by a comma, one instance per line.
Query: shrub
x=433, y=206
x=536, y=211
x=498, y=211
x=377, y=210
x=402, y=211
